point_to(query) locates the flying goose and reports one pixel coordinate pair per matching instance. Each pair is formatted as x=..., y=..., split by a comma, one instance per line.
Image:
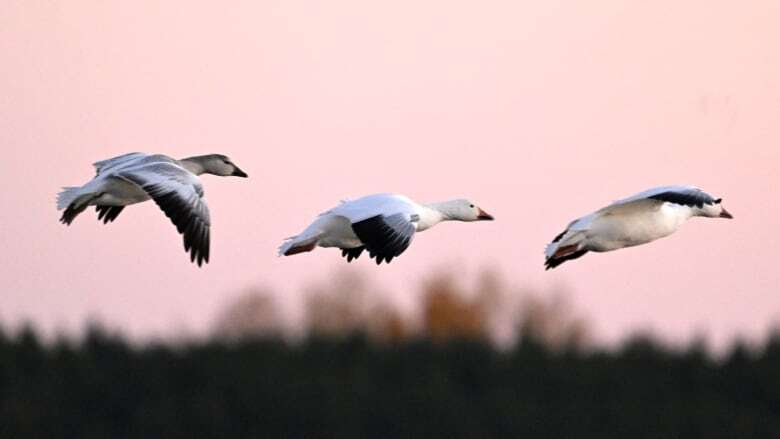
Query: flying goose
x=636, y=220
x=383, y=224
x=172, y=184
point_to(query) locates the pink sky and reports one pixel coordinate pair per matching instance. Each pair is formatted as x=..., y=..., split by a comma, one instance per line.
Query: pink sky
x=539, y=111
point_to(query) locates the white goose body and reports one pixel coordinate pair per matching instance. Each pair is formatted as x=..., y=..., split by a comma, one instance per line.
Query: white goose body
x=636, y=220
x=136, y=177
x=383, y=224
x=112, y=191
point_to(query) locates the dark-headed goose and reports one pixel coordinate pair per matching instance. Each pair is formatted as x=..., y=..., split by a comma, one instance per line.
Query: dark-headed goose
x=172, y=184
x=636, y=220
x=383, y=224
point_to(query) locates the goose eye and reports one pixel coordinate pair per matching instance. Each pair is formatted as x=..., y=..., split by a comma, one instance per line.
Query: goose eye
x=471, y=206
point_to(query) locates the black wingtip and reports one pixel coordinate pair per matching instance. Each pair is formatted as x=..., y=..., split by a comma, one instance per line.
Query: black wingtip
x=352, y=253
x=551, y=263
x=108, y=214
x=70, y=214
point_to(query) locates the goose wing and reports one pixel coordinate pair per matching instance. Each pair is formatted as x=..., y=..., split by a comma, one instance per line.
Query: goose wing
x=385, y=223
x=117, y=161
x=179, y=194
x=690, y=196
x=371, y=205
x=385, y=237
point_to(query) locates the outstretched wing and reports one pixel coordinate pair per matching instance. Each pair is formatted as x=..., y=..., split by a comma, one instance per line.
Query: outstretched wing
x=385, y=237
x=117, y=161
x=180, y=195
x=690, y=196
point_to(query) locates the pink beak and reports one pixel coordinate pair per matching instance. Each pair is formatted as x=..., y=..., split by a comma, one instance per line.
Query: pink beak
x=483, y=216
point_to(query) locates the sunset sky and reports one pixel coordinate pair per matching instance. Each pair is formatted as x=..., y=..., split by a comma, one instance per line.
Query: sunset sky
x=538, y=111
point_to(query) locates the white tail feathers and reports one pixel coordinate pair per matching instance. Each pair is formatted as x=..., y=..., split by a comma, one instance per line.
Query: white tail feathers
x=550, y=249
x=566, y=238
x=298, y=244
x=305, y=241
x=67, y=196
x=286, y=245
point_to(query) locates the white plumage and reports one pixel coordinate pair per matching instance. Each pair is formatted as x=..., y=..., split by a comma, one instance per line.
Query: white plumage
x=383, y=224
x=639, y=219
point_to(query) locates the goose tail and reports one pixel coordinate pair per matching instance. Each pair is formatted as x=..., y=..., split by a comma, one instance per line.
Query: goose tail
x=286, y=245
x=74, y=201
x=298, y=244
x=565, y=247
x=67, y=196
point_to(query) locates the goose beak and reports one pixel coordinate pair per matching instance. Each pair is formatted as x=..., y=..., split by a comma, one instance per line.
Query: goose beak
x=484, y=216
x=725, y=214
x=238, y=173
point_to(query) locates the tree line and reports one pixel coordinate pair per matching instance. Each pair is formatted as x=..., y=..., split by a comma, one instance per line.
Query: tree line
x=345, y=387
x=360, y=369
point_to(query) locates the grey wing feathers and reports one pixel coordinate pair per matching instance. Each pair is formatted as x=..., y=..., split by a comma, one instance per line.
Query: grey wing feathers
x=179, y=195
x=104, y=165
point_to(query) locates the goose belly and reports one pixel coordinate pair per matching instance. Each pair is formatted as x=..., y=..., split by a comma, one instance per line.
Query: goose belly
x=120, y=193
x=338, y=233
x=612, y=232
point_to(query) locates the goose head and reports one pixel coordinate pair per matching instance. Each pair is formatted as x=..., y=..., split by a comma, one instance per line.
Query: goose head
x=714, y=210
x=463, y=210
x=215, y=164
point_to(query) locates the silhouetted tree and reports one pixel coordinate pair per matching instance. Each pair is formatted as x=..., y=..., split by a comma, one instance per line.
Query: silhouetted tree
x=448, y=314
x=350, y=387
x=254, y=314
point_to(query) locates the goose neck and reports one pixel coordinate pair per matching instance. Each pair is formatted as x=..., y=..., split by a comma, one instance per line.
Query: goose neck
x=193, y=164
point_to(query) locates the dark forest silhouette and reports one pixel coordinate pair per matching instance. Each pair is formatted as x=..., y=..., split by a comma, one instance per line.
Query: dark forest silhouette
x=363, y=370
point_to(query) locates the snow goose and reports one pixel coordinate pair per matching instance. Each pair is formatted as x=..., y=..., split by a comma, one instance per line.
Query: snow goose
x=383, y=224
x=636, y=220
x=172, y=184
